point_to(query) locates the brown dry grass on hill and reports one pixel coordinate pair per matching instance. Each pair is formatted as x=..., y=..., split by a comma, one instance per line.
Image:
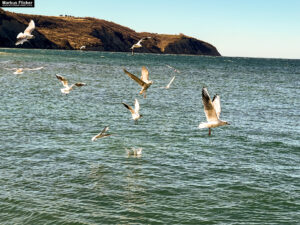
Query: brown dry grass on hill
x=68, y=32
x=79, y=29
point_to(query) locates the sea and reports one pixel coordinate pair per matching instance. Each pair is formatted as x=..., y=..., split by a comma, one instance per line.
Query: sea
x=52, y=173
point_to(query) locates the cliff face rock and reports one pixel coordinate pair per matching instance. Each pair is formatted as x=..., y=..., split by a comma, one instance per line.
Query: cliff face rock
x=65, y=32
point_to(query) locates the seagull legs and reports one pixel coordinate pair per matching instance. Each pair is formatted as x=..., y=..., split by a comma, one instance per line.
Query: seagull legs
x=209, y=131
x=132, y=52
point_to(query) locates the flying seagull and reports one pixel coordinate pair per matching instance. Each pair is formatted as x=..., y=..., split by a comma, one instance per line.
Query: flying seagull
x=101, y=134
x=144, y=81
x=175, y=70
x=134, y=113
x=212, y=111
x=136, y=152
x=23, y=37
x=169, y=84
x=138, y=44
x=21, y=70
x=83, y=47
x=67, y=88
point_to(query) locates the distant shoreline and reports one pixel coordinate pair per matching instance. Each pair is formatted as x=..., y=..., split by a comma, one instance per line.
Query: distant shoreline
x=70, y=33
x=223, y=56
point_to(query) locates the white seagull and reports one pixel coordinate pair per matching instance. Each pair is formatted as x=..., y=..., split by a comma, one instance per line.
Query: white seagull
x=23, y=37
x=136, y=152
x=67, y=88
x=175, y=70
x=83, y=47
x=101, y=134
x=144, y=81
x=21, y=70
x=138, y=44
x=169, y=84
x=134, y=113
x=212, y=111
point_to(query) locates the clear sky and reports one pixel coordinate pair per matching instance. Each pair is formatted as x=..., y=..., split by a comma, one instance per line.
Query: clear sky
x=250, y=28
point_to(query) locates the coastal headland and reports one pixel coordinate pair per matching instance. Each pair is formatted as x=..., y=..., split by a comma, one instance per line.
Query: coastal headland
x=70, y=33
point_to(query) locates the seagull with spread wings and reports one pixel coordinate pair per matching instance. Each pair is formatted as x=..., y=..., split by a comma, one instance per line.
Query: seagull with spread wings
x=212, y=109
x=21, y=70
x=143, y=81
x=67, y=88
x=23, y=37
x=134, y=112
x=138, y=44
x=101, y=134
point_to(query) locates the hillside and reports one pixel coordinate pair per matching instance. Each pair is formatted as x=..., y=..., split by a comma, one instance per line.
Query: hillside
x=67, y=32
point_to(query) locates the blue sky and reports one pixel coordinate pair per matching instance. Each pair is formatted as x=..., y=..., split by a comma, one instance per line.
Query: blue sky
x=248, y=28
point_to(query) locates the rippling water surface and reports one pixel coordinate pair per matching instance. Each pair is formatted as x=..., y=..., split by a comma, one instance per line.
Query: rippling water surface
x=52, y=173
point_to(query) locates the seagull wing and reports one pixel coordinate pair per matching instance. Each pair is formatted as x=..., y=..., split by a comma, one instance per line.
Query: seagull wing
x=62, y=79
x=169, y=66
x=21, y=36
x=133, y=77
x=105, y=135
x=136, y=106
x=38, y=68
x=21, y=41
x=217, y=105
x=79, y=84
x=95, y=137
x=101, y=134
x=30, y=28
x=168, y=86
x=139, y=151
x=128, y=107
x=104, y=130
x=133, y=46
x=140, y=41
x=209, y=109
x=145, y=74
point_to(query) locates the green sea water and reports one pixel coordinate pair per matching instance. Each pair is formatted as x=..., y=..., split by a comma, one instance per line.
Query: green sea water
x=52, y=173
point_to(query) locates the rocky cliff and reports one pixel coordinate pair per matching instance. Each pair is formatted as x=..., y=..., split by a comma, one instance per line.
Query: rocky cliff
x=67, y=32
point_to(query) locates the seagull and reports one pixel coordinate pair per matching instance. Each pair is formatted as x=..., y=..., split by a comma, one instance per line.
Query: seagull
x=175, y=70
x=21, y=70
x=83, y=47
x=134, y=113
x=137, y=152
x=67, y=88
x=212, y=111
x=138, y=44
x=23, y=37
x=101, y=134
x=144, y=81
x=169, y=84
